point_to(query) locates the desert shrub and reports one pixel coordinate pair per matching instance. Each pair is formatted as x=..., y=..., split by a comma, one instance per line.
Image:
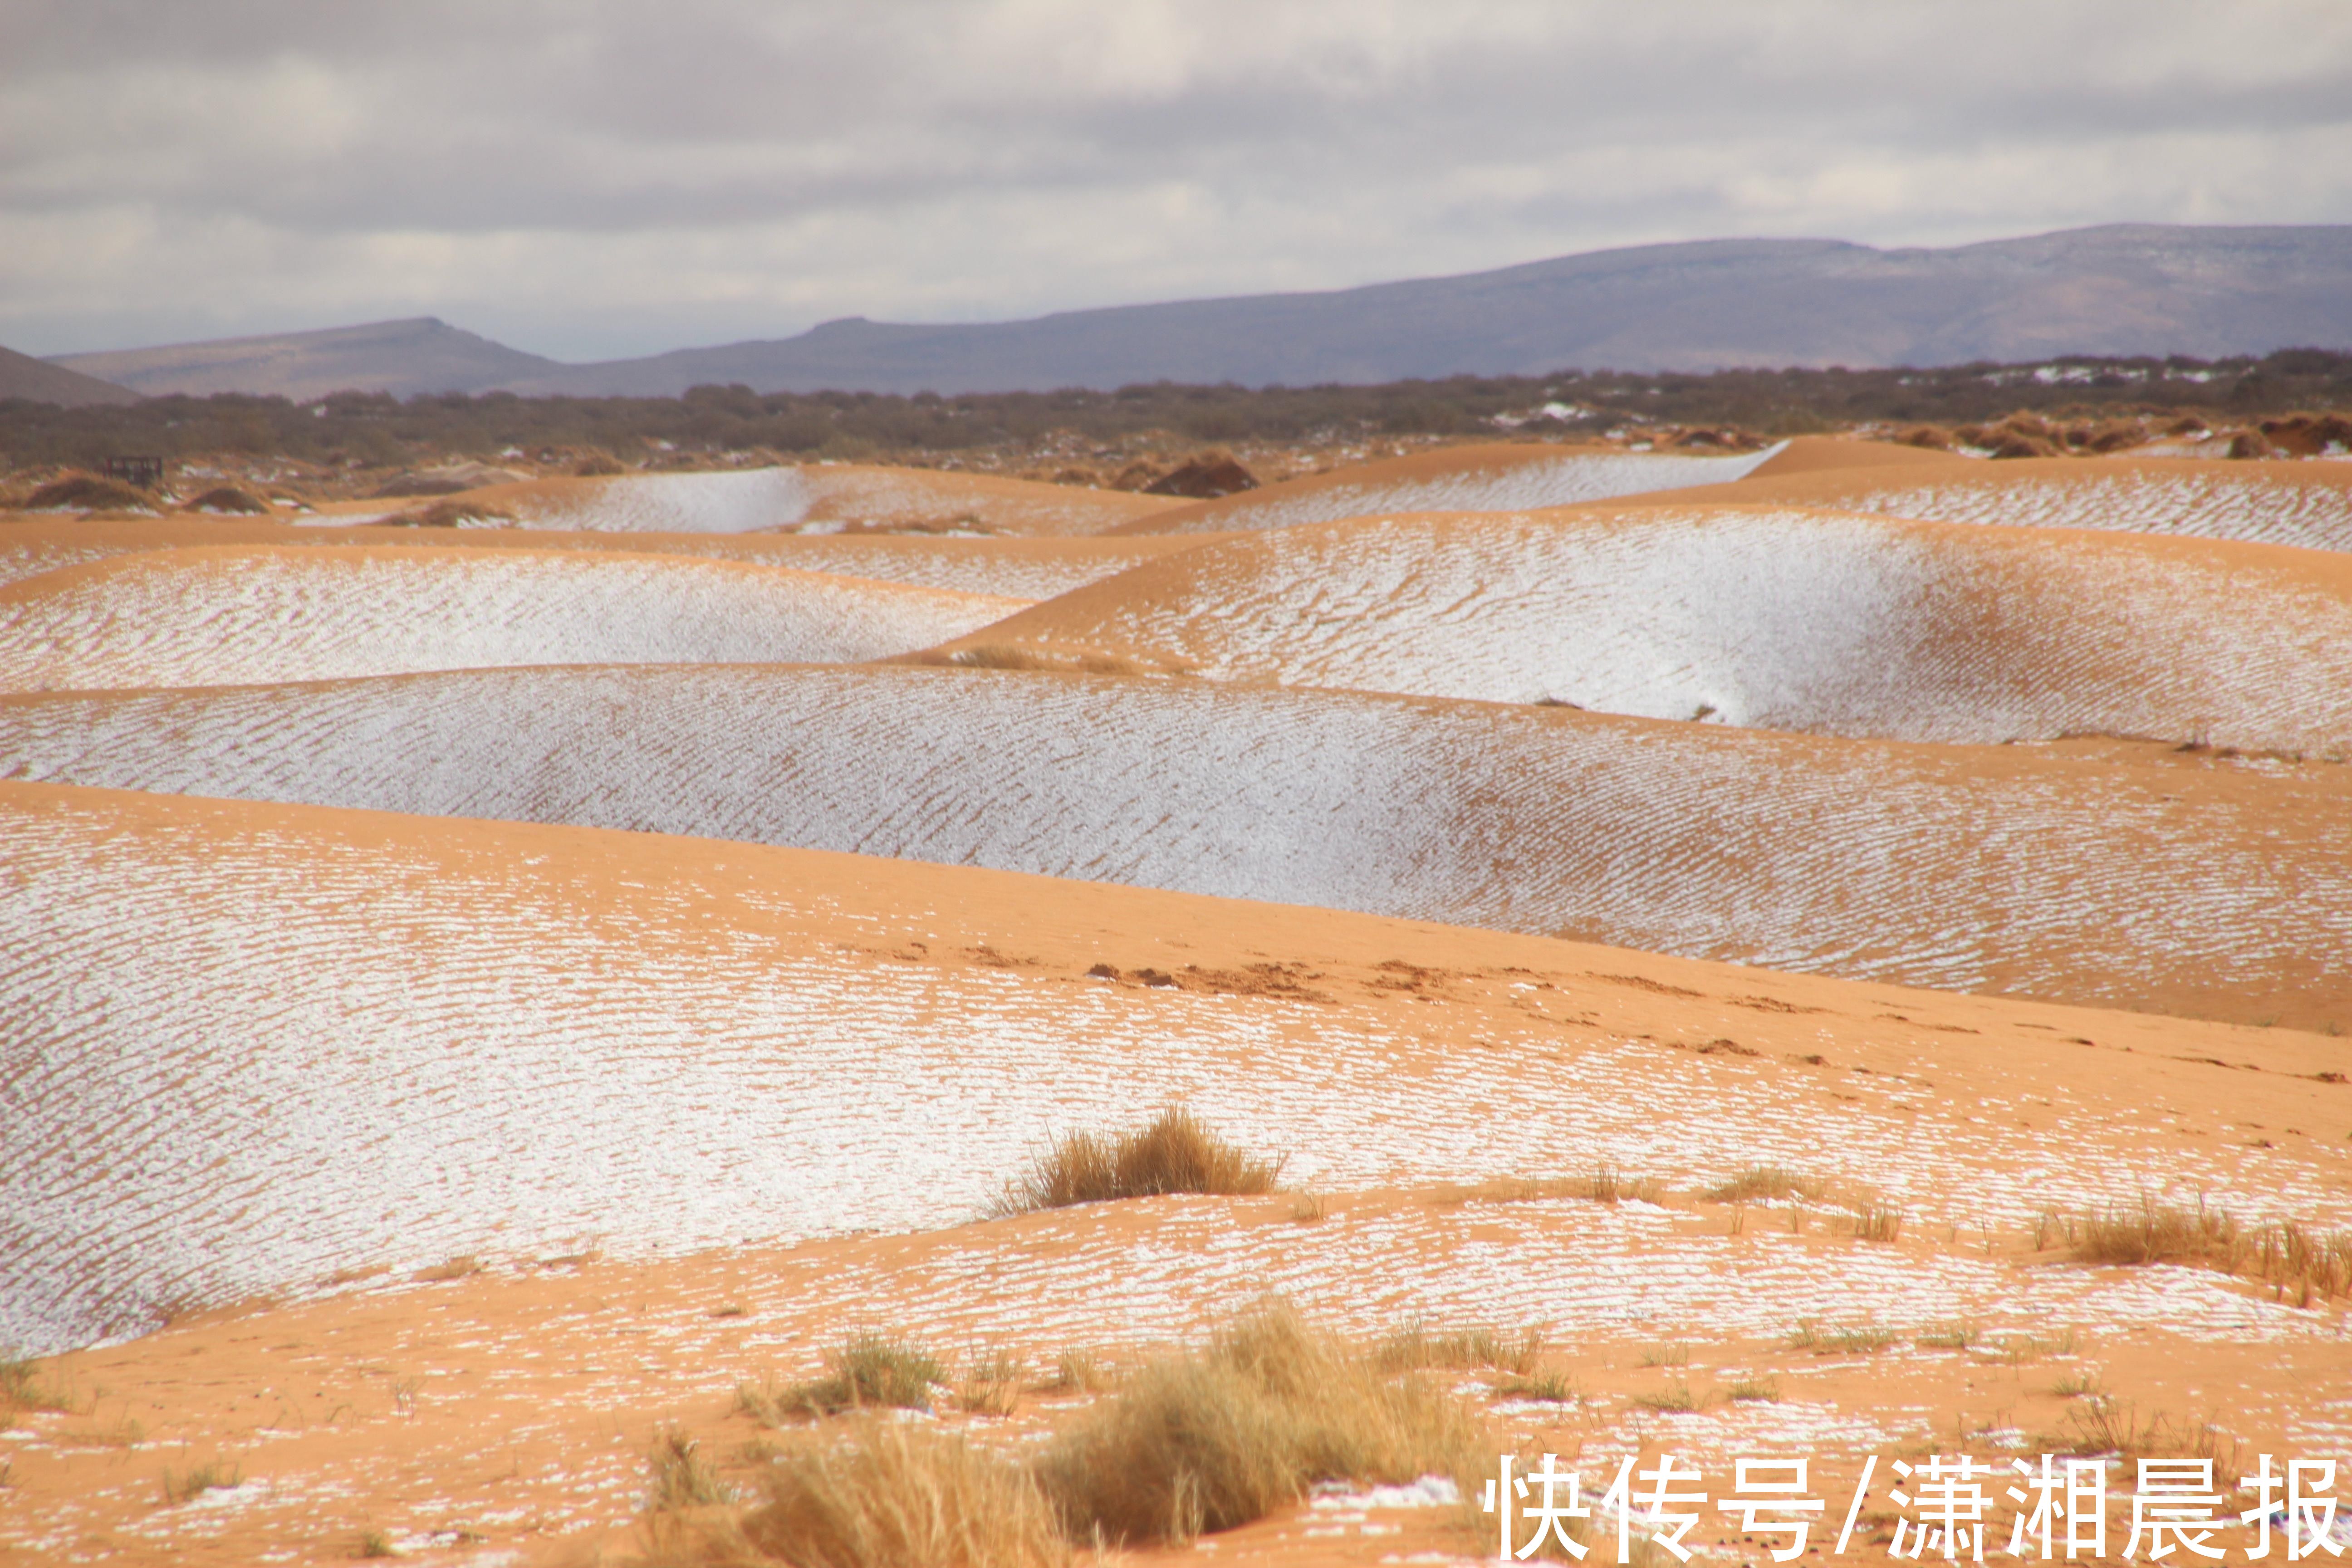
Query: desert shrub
x=1212, y=1441
x=87, y=492
x=228, y=499
x=1174, y=1153
x=870, y=1370
x=446, y=514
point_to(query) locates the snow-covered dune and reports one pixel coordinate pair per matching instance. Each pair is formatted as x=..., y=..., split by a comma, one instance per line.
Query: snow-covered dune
x=1490, y=477
x=231, y=616
x=1779, y=617
x=251, y=1049
x=2304, y=504
x=2212, y=892
x=1016, y=568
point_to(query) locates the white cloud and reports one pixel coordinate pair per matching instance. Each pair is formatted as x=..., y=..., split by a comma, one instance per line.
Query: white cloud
x=594, y=179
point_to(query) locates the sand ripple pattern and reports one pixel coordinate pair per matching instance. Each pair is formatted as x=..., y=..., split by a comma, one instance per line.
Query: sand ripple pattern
x=2309, y=510
x=1919, y=865
x=1784, y=618
x=231, y=616
x=1563, y=480
x=243, y=1050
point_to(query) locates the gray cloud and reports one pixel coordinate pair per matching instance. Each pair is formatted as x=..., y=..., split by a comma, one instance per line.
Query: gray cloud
x=594, y=179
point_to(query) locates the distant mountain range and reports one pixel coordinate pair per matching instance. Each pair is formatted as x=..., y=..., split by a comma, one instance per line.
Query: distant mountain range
x=2134, y=288
x=38, y=381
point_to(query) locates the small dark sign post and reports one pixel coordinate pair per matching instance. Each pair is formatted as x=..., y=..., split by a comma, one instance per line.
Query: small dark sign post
x=147, y=473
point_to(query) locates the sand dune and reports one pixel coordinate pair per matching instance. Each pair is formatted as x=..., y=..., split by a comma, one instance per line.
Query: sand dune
x=231, y=614
x=820, y=498
x=1494, y=477
x=1016, y=568
x=2204, y=889
x=1837, y=623
x=259, y=1045
x=2304, y=504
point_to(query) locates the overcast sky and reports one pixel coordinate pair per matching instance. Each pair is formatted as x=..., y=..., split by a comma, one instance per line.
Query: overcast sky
x=596, y=178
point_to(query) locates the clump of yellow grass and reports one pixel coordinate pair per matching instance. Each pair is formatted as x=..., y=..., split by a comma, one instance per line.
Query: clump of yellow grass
x=1191, y=1443
x=2316, y=1262
x=1174, y=1153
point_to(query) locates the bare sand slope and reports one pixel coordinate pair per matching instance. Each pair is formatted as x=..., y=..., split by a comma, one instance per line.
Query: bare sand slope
x=817, y=498
x=255, y=1045
x=229, y=616
x=2204, y=889
x=2304, y=504
x=1782, y=618
x=1016, y=568
x=1491, y=476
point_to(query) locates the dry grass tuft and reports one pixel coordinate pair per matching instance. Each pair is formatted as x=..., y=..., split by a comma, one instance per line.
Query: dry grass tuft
x=1753, y=1391
x=1413, y=1348
x=214, y=1475
x=1674, y=1399
x=1175, y=1153
x=870, y=1370
x=1957, y=1336
x=2313, y=1262
x=1542, y=1388
x=1875, y=1221
x=878, y=1493
x=1606, y=1185
x=991, y=1383
x=1204, y=1443
x=1078, y=1371
x=1821, y=1339
x=374, y=1543
x=1191, y=1443
x=1767, y=1183
x=21, y=1388
x=682, y=1478
x=2102, y=1424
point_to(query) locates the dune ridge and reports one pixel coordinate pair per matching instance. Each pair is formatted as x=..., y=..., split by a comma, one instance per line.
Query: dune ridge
x=1012, y=568
x=1488, y=476
x=2307, y=505
x=1846, y=624
x=231, y=616
x=815, y=498
x=2207, y=890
